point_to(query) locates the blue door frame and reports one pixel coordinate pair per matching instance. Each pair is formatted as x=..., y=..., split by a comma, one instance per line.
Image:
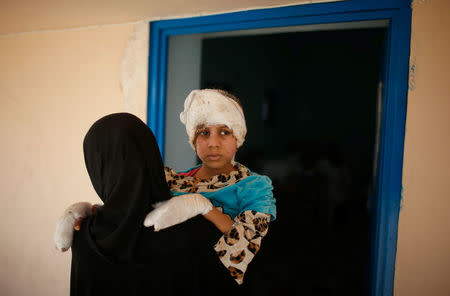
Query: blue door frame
x=388, y=190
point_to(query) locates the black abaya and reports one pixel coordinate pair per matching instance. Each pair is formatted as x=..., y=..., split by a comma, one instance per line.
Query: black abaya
x=113, y=253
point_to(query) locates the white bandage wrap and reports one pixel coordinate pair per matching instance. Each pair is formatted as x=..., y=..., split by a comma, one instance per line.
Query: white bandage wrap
x=177, y=210
x=64, y=228
x=210, y=107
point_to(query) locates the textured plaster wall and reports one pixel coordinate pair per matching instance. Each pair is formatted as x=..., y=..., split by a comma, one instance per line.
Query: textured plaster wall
x=53, y=86
x=423, y=251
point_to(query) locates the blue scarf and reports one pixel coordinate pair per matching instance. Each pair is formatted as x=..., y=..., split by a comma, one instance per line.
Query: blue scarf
x=253, y=193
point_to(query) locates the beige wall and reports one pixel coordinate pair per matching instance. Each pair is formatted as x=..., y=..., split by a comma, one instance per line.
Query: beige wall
x=423, y=252
x=52, y=87
x=55, y=82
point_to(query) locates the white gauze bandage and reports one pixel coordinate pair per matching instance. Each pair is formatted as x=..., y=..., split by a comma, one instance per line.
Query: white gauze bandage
x=210, y=107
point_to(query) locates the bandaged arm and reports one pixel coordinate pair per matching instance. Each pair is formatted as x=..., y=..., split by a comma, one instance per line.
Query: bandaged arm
x=67, y=222
x=177, y=210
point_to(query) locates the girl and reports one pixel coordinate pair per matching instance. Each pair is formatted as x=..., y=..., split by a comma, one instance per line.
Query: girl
x=237, y=201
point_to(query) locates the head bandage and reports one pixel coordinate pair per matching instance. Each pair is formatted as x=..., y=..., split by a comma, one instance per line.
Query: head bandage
x=210, y=107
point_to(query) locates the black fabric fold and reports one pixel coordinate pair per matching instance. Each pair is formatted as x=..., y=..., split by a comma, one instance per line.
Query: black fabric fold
x=113, y=253
x=124, y=163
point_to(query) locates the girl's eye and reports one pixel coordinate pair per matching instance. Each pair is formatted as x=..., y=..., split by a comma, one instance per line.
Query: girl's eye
x=203, y=133
x=225, y=132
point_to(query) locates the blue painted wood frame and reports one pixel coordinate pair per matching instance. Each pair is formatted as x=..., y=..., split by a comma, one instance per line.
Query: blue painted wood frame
x=387, y=197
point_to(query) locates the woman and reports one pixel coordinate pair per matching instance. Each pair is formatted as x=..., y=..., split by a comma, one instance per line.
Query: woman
x=113, y=254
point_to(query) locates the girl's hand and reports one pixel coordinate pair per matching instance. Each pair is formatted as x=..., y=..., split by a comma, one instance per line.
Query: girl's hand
x=70, y=221
x=77, y=225
x=177, y=210
x=222, y=221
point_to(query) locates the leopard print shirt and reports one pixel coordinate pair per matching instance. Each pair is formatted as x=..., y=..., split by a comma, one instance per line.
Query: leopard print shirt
x=190, y=184
x=237, y=248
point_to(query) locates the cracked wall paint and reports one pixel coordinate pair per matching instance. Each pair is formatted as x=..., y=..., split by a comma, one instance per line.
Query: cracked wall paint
x=413, y=68
x=412, y=64
x=133, y=72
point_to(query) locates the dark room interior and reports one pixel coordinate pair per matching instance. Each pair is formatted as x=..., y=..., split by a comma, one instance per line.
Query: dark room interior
x=310, y=100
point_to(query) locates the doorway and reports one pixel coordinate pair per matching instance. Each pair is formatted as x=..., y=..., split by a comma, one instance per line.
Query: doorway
x=310, y=100
x=314, y=94
x=387, y=185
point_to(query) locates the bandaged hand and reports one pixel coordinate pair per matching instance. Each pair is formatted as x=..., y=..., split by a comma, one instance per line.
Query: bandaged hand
x=70, y=220
x=177, y=210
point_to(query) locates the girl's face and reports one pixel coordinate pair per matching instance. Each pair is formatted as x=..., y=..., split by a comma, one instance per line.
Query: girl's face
x=215, y=146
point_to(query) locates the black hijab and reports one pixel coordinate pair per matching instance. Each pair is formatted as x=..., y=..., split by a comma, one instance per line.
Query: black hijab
x=126, y=170
x=113, y=253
